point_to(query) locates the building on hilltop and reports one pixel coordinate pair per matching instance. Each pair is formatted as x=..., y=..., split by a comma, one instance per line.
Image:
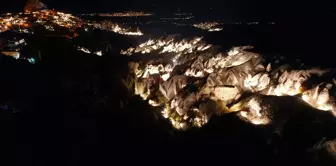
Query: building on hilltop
x=34, y=5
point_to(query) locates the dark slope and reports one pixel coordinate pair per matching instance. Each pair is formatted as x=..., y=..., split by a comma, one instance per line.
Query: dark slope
x=79, y=113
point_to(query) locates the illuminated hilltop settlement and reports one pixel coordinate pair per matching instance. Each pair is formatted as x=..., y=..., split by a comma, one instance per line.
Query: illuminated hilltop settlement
x=55, y=23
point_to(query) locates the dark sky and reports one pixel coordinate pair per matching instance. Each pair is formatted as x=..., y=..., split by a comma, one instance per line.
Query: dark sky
x=240, y=9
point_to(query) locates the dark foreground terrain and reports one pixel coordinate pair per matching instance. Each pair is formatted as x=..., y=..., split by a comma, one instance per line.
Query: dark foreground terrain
x=72, y=109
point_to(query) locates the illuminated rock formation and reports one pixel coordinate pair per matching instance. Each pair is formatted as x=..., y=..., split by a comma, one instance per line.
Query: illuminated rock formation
x=192, y=81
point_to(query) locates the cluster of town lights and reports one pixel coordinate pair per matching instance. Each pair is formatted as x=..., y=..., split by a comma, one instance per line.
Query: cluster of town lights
x=209, y=26
x=126, y=14
x=14, y=21
x=50, y=19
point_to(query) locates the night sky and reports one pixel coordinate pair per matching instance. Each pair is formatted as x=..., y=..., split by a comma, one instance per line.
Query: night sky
x=238, y=9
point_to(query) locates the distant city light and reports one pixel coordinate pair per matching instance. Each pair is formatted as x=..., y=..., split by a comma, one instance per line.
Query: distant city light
x=178, y=18
x=209, y=26
x=126, y=14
